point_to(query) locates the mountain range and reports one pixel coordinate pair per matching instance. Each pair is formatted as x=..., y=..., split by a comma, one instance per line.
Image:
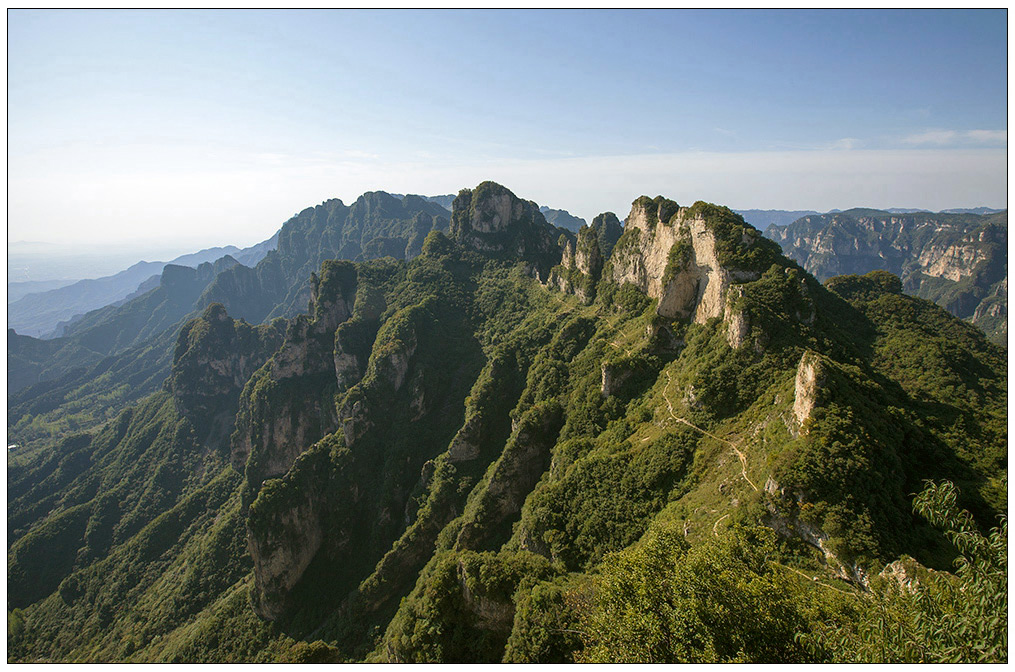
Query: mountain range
x=48, y=313
x=408, y=435
x=957, y=260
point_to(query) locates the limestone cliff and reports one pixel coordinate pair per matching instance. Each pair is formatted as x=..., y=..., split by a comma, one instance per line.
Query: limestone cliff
x=581, y=266
x=687, y=258
x=288, y=404
x=806, y=386
x=491, y=220
x=526, y=456
x=285, y=531
x=215, y=356
x=956, y=260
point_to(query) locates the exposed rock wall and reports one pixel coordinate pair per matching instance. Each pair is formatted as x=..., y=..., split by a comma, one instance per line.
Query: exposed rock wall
x=215, y=356
x=285, y=532
x=955, y=260
x=581, y=266
x=287, y=406
x=492, y=220
x=809, y=377
x=791, y=526
x=670, y=253
x=526, y=456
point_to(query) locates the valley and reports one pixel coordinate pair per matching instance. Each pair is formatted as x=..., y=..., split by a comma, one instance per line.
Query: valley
x=409, y=434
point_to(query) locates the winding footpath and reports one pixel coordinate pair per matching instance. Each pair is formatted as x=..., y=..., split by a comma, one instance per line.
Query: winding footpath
x=737, y=451
x=669, y=405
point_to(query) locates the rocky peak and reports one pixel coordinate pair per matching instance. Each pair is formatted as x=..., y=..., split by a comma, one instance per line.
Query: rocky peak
x=608, y=230
x=687, y=258
x=953, y=259
x=490, y=219
x=332, y=294
x=215, y=356
x=588, y=258
x=581, y=265
x=647, y=212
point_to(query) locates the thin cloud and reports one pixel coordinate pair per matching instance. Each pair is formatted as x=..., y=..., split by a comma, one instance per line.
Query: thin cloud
x=945, y=138
x=845, y=143
x=243, y=201
x=989, y=137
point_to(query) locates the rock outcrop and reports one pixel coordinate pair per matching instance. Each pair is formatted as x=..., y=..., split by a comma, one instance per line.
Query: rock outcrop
x=288, y=404
x=676, y=255
x=614, y=375
x=809, y=377
x=956, y=260
x=215, y=357
x=608, y=230
x=285, y=532
x=526, y=455
x=581, y=266
x=787, y=526
x=491, y=220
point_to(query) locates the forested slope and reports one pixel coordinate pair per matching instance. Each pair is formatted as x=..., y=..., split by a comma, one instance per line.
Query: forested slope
x=666, y=442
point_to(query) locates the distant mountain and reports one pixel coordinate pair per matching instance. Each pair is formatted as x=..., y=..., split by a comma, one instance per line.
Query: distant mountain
x=376, y=225
x=32, y=262
x=563, y=219
x=111, y=330
x=444, y=201
x=250, y=256
x=17, y=290
x=280, y=284
x=959, y=261
x=47, y=313
x=115, y=328
x=38, y=314
x=762, y=219
x=676, y=445
x=973, y=211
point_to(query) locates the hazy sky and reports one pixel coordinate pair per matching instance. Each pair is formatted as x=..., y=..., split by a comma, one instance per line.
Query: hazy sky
x=213, y=128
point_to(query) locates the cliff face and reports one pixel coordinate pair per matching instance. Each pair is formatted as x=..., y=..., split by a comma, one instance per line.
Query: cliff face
x=490, y=219
x=687, y=258
x=956, y=260
x=334, y=430
x=581, y=265
x=215, y=356
x=287, y=405
x=376, y=225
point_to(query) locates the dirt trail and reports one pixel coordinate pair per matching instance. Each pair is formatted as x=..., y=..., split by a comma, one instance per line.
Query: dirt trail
x=737, y=451
x=618, y=347
x=812, y=578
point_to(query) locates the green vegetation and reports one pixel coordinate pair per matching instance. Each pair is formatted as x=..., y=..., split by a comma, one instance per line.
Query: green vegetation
x=738, y=244
x=658, y=209
x=913, y=615
x=721, y=601
x=958, y=261
x=445, y=460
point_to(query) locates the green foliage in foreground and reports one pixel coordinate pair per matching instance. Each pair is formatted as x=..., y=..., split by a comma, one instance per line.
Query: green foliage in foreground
x=718, y=602
x=932, y=617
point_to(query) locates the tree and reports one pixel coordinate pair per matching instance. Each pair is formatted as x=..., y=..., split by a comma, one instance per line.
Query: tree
x=716, y=602
x=911, y=614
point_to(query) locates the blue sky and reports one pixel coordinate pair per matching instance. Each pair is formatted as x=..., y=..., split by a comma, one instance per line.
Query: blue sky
x=214, y=127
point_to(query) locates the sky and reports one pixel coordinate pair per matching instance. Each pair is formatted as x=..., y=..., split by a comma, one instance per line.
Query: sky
x=202, y=128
